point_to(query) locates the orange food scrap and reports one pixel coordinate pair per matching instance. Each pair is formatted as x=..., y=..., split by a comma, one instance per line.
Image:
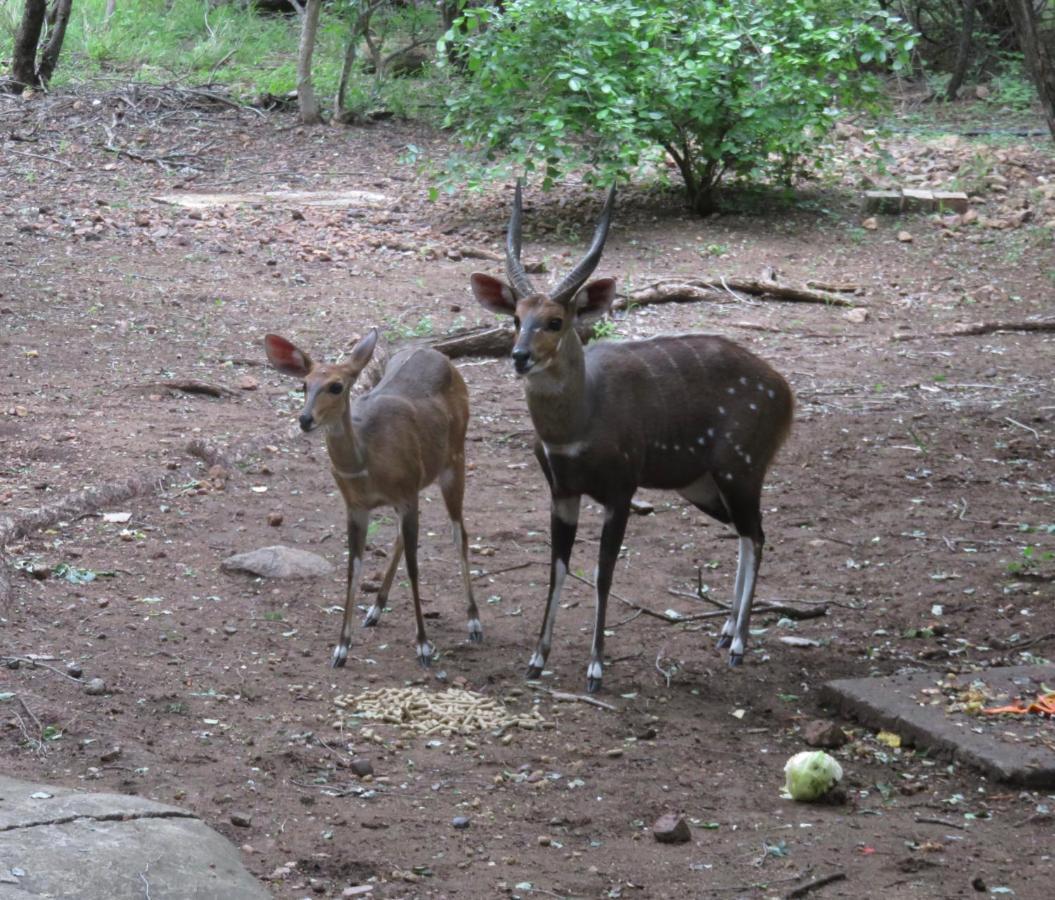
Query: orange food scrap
x=1043, y=705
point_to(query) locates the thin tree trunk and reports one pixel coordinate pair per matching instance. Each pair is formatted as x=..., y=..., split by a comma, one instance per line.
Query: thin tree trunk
x=111, y=8
x=24, y=54
x=1039, y=54
x=963, y=50
x=49, y=58
x=309, y=28
x=360, y=27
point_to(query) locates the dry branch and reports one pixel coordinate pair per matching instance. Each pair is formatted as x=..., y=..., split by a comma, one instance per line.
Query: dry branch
x=971, y=329
x=192, y=386
x=700, y=289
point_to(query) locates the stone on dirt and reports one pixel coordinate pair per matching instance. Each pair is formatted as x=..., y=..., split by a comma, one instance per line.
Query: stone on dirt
x=826, y=735
x=670, y=828
x=278, y=562
x=95, y=688
x=65, y=843
x=361, y=766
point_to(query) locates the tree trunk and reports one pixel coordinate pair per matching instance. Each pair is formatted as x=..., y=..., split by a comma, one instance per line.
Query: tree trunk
x=1039, y=54
x=963, y=50
x=49, y=58
x=24, y=53
x=111, y=8
x=309, y=28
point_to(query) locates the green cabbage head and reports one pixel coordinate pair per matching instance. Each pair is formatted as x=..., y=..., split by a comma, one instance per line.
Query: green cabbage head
x=811, y=774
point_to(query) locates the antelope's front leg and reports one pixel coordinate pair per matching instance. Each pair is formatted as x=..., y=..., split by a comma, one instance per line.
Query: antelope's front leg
x=358, y=521
x=563, y=523
x=408, y=523
x=615, y=518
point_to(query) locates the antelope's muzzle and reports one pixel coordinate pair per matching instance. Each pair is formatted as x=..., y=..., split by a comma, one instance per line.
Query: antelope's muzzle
x=521, y=360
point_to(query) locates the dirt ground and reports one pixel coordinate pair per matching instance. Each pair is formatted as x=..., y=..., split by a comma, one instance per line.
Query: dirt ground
x=915, y=497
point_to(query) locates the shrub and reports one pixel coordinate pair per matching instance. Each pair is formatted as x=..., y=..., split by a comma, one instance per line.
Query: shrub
x=746, y=88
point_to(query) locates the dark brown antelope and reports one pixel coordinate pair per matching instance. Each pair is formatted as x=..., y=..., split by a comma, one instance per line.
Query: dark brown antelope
x=385, y=447
x=693, y=413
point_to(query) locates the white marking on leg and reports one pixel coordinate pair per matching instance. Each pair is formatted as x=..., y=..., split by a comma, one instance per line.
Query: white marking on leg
x=595, y=670
x=746, y=592
x=567, y=510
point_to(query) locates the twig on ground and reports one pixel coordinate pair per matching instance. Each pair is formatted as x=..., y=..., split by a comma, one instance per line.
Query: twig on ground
x=575, y=698
x=814, y=885
x=34, y=663
x=1032, y=431
x=934, y=820
x=523, y=565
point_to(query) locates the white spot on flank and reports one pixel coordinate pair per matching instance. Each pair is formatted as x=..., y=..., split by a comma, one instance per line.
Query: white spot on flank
x=771, y=392
x=747, y=457
x=721, y=410
x=731, y=390
x=761, y=386
x=753, y=405
x=701, y=440
x=728, y=476
x=743, y=379
x=677, y=446
x=710, y=432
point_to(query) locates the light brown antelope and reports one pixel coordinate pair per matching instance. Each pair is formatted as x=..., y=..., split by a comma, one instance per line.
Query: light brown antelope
x=385, y=447
x=693, y=413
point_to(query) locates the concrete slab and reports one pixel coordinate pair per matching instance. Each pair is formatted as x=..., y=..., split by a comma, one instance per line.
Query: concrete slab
x=1017, y=750
x=274, y=198
x=57, y=842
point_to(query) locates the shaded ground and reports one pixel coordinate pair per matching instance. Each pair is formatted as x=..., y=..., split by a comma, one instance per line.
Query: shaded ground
x=917, y=478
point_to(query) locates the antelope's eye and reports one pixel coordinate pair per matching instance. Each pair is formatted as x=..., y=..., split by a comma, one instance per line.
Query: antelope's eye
x=554, y=324
x=516, y=322
x=335, y=388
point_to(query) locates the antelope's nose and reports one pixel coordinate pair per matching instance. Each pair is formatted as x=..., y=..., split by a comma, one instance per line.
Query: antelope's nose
x=306, y=421
x=521, y=359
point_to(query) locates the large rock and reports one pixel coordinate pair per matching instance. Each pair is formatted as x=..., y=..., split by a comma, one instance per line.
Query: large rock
x=57, y=842
x=278, y=562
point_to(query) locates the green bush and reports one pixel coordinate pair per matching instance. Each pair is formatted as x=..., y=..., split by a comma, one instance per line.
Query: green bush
x=746, y=88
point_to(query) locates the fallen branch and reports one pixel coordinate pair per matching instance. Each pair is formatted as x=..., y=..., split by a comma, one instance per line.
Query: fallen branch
x=192, y=386
x=575, y=698
x=814, y=885
x=695, y=289
x=934, y=820
x=533, y=267
x=977, y=328
x=791, y=612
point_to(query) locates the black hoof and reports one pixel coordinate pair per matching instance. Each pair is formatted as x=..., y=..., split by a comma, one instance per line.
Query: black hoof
x=339, y=658
x=725, y=641
x=593, y=685
x=735, y=660
x=476, y=637
x=534, y=673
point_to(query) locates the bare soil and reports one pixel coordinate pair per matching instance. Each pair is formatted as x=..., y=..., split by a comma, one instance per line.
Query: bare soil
x=920, y=471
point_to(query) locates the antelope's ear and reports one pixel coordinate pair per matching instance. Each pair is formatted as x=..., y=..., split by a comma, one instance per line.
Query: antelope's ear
x=286, y=357
x=363, y=351
x=594, y=300
x=492, y=294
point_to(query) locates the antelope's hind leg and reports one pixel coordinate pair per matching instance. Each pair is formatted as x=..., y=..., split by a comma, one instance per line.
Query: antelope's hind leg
x=564, y=522
x=452, y=486
x=373, y=614
x=408, y=522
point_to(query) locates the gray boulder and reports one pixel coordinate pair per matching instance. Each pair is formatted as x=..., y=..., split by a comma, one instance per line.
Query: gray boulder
x=57, y=842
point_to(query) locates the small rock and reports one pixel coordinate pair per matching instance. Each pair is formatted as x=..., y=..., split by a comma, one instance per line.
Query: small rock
x=274, y=519
x=544, y=840
x=74, y=670
x=905, y=237
x=230, y=629
x=248, y=383
x=981, y=92
x=296, y=215
x=827, y=735
x=109, y=756
x=361, y=766
x=870, y=224
x=641, y=507
x=858, y=315
x=278, y=562
x=241, y=820
x=95, y=688
x=460, y=822
x=670, y=828
x=614, y=753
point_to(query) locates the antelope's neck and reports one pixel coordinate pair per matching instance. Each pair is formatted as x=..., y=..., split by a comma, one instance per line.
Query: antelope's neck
x=347, y=454
x=557, y=396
